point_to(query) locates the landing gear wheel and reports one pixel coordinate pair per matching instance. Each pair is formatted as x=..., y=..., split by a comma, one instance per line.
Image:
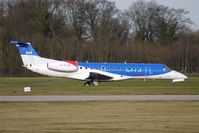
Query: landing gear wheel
x=91, y=83
x=95, y=83
x=87, y=83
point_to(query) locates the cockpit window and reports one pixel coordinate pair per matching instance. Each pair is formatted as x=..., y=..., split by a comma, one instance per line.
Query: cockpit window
x=166, y=68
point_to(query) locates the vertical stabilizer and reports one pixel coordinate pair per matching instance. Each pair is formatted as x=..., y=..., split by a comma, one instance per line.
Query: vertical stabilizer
x=27, y=52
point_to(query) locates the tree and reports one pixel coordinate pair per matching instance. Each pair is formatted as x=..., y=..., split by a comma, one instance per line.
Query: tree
x=154, y=22
x=95, y=30
x=75, y=17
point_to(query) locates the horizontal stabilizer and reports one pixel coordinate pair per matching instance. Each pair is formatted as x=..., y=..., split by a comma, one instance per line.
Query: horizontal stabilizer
x=20, y=43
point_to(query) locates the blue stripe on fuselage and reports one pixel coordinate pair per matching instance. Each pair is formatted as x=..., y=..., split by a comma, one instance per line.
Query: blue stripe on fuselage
x=128, y=69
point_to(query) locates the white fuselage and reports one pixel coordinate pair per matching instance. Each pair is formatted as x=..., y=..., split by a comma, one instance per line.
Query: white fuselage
x=42, y=67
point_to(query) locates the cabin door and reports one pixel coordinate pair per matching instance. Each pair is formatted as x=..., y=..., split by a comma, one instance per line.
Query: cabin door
x=147, y=71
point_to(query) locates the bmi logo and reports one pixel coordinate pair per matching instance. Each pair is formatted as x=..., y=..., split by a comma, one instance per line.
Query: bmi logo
x=29, y=52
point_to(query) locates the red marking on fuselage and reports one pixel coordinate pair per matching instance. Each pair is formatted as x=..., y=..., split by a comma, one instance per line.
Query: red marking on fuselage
x=72, y=62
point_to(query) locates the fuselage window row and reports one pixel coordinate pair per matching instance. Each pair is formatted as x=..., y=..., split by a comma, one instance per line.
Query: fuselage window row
x=116, y=69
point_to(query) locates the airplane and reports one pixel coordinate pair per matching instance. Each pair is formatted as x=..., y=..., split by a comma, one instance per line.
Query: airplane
x=93, y=72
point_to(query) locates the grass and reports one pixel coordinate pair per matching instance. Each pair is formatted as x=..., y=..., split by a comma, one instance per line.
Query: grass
x=100, y=117
x=62, y=86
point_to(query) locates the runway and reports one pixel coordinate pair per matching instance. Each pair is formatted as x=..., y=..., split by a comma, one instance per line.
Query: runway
x=101, y=98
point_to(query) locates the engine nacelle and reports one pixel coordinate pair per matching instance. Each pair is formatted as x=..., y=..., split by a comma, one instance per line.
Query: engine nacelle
x=63, y=66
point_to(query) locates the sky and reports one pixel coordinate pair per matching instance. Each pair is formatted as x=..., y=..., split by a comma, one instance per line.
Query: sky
x=189, y=5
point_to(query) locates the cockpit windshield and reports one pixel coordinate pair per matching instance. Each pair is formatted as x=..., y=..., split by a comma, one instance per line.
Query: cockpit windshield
x=166, y=68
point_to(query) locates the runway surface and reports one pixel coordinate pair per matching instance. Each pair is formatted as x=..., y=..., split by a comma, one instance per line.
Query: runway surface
x=100, y=98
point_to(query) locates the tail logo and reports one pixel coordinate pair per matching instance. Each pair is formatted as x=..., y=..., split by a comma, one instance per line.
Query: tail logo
x=29, y=52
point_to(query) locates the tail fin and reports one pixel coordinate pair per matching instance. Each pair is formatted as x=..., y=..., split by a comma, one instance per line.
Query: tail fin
x=27, y=52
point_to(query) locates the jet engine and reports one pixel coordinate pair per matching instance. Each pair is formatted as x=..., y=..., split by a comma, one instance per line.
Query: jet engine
x=63, y=66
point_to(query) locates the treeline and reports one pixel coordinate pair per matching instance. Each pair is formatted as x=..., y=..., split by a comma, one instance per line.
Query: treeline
x=96, y=30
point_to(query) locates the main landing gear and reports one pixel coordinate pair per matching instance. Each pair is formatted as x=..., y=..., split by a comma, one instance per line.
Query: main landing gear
x=91, y=83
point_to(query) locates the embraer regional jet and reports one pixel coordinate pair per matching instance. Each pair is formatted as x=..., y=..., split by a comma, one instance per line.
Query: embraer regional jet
x=93, y=72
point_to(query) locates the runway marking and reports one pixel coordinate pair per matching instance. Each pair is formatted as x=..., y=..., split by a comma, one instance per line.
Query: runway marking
x=100, y=98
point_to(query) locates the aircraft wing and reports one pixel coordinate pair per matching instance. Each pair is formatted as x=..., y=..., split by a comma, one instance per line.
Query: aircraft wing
x=99, y=77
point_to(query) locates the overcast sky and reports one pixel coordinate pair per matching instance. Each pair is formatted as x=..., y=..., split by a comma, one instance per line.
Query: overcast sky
x=190, y=5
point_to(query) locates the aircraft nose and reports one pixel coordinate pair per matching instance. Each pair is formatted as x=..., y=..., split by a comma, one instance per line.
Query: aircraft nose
x=179, y=75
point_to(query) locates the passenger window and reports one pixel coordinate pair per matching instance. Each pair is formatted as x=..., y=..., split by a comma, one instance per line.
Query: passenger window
x=139, y=69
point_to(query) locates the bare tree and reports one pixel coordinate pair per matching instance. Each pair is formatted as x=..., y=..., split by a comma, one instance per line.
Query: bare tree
x=154, y=22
